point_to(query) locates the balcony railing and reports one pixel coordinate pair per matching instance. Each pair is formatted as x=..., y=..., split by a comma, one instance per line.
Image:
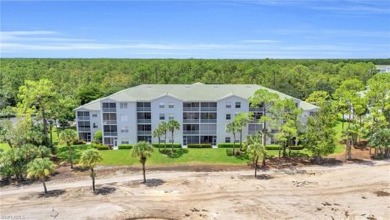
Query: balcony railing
x=256, y=109
x=83, y=118
x=144, y=109
x=208, y=120
x=109, y=109
x=208, y=109
x=144, y=132
x=144, y=121
x=191, y=132
x=110, y=133
x=190, y=109
x=84, y=128
x=109, y=122
x=208, y=132
x=190, y=120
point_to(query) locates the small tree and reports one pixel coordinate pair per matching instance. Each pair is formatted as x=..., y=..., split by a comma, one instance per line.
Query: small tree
x=40, y=168
x=264, y=99
x=241, y=120
x=89, y=159
x=255, y=150
x=142, y=150
x=67, y=137
x=164, y=130
x=172, y=126
x=381, y=140
x=98, y=136
x=320, y=137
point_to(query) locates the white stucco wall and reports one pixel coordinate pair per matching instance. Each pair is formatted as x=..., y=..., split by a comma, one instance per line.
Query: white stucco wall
x=127, y=117
x=177, y=112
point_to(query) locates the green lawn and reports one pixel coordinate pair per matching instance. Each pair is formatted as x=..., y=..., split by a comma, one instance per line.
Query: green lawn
x=194, y=156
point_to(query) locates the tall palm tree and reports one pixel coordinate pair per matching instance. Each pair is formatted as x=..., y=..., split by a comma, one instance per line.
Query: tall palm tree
x=232, y=128
x=255, y=150
x=164, y=130
x=90, y=158
x=142, y=150
x=40, y=168
x=172, y=126
x=68, y=136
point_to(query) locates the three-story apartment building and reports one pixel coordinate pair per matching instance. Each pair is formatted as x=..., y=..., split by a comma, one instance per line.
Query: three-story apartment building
x=203, y=112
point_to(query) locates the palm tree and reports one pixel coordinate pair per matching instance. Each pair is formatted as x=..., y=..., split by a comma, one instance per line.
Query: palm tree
x=157, y=133
x=232, y=128
x=142, y=150
x=255, y=150
x=90, y=158
x=172, y=126
x=68, y=136
x=164, y=129
x=40, y=168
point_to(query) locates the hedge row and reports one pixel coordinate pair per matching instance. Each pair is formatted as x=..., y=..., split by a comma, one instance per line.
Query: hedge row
x=169, y=145
x=275, y=147
x=100, y=146
x=125, y=146
x=199, y=145
x=228, y=145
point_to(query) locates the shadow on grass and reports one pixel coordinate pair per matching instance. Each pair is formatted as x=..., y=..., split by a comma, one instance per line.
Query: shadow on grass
x=105, y=190
x=154, y=182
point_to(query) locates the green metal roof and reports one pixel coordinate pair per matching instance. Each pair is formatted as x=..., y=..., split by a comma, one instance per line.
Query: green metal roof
x=189, y=92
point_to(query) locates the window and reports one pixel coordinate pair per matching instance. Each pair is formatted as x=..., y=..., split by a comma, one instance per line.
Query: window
x=83, y=116
x=94, y=115
x=162, y=116
x=238, y=104
x=162, y=105
x=125, y=129
x=124, y=118
x=171, y=117
x=95, y=125
x=171, y=105
x=227, y=139
x=125, y=141
x=228, y=104
x=123, y=105
x=228, y=116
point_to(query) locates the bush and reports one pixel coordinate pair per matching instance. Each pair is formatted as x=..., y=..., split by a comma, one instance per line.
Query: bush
x=199, y=145
x=228, y=145
x=98, y=137
x=78, y=142
x=169, y=145
x=229, y=152
x=125, y=146
x=100, y=146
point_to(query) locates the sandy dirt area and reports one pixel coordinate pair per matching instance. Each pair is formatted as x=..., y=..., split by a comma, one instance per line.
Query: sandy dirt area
x=343, y=191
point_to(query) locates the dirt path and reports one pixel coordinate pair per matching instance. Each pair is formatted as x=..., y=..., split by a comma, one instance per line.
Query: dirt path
x=350, y=191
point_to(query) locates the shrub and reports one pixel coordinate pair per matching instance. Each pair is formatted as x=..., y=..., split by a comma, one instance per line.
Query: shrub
x=175, y=145
x=199, y=145
x=98, y=137
x=78, y=142
x=228, y=145
x=125, y=146
x=229, y=152
x=100, y=146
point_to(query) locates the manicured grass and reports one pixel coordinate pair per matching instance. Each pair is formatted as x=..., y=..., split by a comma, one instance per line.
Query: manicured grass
x=194, y=156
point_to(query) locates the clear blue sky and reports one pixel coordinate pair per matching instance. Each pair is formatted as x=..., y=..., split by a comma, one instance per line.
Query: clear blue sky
x=196, y=29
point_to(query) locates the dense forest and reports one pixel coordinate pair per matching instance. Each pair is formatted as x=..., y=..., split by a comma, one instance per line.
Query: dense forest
x=84, y=80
